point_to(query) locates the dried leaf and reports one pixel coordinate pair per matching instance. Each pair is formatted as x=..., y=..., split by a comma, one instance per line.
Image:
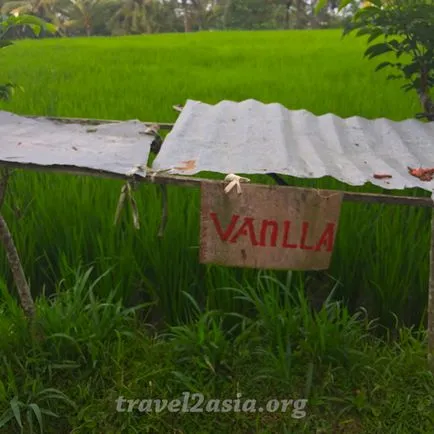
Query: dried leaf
x=382, y=176
x=421, y=173
x=189, y=165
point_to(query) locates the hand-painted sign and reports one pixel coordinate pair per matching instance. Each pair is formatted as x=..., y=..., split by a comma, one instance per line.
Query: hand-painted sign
x=268, y=226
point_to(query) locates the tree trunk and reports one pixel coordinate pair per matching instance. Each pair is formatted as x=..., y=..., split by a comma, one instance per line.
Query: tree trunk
x=227, y=8
x=186, y=16
x=427, y=105
x=299, y=14
x=88, y=25
x=425, y=97
x=288, y=5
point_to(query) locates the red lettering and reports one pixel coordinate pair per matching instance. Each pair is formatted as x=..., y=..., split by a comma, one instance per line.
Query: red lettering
x=304, y=229
x=327, y=238
x=286, y=232
x=246, y=229
x=227, y=233
x=263, y=236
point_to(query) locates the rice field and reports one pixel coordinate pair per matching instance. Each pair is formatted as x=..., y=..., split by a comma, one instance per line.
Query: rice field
x=381, y=255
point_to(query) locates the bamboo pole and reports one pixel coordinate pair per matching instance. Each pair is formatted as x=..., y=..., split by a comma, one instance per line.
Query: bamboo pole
x=13, y=258
x=190, y=181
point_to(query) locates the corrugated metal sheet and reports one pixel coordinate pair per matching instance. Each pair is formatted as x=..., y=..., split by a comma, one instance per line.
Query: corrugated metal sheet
x=251, y=137
x=115, y=148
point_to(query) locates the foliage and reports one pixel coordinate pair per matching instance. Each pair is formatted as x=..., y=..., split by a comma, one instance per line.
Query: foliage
x=241, y=18
x=408, y=30
x=121, y=17
x=69, y=380
x=11, y=22
x=143, y=16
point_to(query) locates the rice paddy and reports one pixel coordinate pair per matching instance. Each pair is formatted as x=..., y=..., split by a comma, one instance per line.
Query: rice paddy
x=211, y=329
x=382, y=251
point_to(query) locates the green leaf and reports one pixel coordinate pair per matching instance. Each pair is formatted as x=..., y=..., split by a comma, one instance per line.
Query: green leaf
x=35, y=29
x=2, y=391
x=29, y=421
x=368, y=12
x=394, y=77
x=35, y=23
x=408, y=87
x=364, y=31
x=27, y=20
x=343, y=4
x=383, y=65
x=6, y=91
x=38, y=415
x=5, y=43
x=320, y=5
x=49, y=413
x=395, y=44
x=16, y=411
x=51, y=28
x=375, y=34
x=6, y=417
x=411, y=69
x=377, y=49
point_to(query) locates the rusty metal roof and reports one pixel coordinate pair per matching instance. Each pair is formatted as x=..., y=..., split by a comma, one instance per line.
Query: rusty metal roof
x=113, y=148
x=251, y=137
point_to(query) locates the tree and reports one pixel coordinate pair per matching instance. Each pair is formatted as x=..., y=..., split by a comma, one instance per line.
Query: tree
x=407, y=27
x=41, y=8
x=120, y=17
x=137, y=16
x=408, y=30
x=87, y=15
x=203, y=12
x=249, y=14
x=7, y=24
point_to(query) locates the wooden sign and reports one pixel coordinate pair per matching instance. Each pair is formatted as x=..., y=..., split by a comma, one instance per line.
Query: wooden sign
x=268, y=226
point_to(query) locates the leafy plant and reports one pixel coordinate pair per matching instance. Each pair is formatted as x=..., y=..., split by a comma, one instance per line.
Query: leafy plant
x=408, y=30
x=30, y=402
x=10, y=22
x=203, y=345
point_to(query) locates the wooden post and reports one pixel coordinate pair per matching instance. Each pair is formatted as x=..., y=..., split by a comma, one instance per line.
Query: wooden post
x=430, y=308
x=13, y=257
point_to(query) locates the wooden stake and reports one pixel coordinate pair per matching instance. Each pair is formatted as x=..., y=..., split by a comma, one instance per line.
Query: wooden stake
x=164, y=206
x=13, y=257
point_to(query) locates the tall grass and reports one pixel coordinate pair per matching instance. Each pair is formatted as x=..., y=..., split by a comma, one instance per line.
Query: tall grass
x=381, y=256
x=92, y=350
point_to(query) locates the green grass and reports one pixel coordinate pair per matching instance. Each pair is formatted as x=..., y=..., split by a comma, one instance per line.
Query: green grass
x=212, y=329
x=142, y=77
x=90, y=351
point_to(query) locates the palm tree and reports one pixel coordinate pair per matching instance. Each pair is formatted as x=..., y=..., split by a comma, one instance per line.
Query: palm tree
x=137, y=16
x=84, y=14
